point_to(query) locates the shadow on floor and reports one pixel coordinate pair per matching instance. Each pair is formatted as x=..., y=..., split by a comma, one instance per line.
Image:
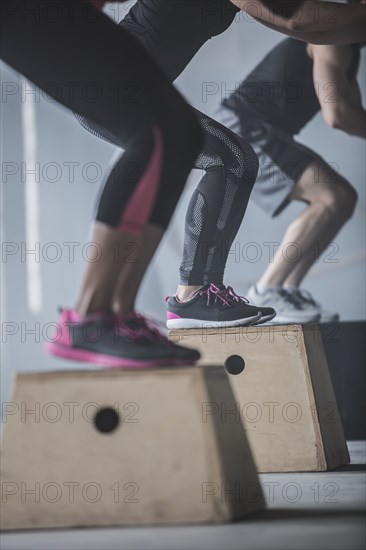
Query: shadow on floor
x=305, y=513
x=351, y=468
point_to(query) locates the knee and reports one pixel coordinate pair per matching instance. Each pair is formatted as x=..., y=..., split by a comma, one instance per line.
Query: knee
x=350, y=199
x=187, y=134
x=244, y=162
x=251, y=162
x=340, y=199
x=248, y=164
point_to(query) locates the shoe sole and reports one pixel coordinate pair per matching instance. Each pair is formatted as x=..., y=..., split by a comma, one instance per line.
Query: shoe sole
x=176, y=324
x=266, y=318
x=85, y=356
x=330, y=319
x=279, y=320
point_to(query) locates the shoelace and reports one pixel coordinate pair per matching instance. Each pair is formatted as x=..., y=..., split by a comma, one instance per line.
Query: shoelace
x=290, y=297
x=225, y=294
x=237, y=297
x=137, y=327
x=305, y=296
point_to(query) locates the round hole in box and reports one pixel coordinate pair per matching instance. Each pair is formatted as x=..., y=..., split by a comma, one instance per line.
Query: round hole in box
x=106, y=420
x=234, y=364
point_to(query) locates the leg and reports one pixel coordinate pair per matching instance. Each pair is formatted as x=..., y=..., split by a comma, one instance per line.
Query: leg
x=213, y=218
x=222, y=196
x=331, y=201
x=156, y=154
x=43, y=48
x=139, y=257
x=217, y=206
x=113, y=281
x=290, y=171
x=180, y=20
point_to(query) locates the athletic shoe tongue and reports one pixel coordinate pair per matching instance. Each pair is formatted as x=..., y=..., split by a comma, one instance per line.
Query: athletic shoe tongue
x=217, y=294
x=221, y=287
x=140, y=328
x=227, y=295
x=213, y=289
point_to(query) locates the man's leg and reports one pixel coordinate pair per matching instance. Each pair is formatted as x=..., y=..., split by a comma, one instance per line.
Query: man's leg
x=331, y=201
x=290, y=171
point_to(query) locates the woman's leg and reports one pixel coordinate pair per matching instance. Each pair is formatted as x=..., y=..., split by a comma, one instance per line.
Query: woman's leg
x=112, y=282
x=80, y=49
x=217, y=206
x=214, y=216
x=172, y=34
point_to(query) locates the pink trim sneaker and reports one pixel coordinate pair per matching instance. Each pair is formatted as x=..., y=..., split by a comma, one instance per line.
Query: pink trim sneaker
x=106, y=339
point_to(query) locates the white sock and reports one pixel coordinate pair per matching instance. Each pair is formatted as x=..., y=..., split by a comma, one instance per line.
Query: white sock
x=262, y=289
x=188, y=299
x=291, y=289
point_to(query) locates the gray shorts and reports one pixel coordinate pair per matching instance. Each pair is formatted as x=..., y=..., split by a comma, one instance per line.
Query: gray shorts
x=282, y=160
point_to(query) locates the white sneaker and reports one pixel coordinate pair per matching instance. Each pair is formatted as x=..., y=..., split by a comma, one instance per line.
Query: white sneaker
x=305, y=297
x=288, y=307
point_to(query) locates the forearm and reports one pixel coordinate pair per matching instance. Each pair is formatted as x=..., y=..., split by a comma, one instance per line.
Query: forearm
x=349, y=119
x=318, y=38
x=315, y=21
x=339, y=97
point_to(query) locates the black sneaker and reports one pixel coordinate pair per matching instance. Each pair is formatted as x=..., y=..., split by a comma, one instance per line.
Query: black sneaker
x=105, y=339
x=150, y=329
x=215, y=306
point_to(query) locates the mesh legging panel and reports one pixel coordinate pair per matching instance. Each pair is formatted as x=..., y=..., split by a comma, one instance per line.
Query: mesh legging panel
x=217, y=206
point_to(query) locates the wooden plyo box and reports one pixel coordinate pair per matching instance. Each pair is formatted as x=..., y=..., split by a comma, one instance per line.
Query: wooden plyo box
x=345, y=348
x=284, y=395
x=98, y=448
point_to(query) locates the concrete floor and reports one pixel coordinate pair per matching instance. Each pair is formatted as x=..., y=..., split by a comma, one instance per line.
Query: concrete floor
x=317, y=511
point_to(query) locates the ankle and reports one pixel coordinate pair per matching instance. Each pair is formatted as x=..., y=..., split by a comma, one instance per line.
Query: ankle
x=291, y=288
x=185, y=292
x=91, y=305
x=261, y=288
x=123, y=309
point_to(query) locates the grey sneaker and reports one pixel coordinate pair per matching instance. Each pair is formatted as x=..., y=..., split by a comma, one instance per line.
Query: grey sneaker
x=216, y=306
x=304, y=297
x=288, y=307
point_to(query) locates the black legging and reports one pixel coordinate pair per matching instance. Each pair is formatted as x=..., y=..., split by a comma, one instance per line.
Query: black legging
x=69, y=50
x=173, y=31
x=216, y=209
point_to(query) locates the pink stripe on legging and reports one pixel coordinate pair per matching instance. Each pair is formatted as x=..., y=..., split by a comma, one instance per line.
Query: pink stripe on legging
x=139, y=207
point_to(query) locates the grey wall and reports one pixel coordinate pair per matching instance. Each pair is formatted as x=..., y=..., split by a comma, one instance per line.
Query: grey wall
x=66, y=207
x=339, y=279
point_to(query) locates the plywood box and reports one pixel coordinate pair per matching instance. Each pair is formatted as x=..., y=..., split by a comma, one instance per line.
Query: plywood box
x=345, y=348
x=94, y=448
x=283, y=394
